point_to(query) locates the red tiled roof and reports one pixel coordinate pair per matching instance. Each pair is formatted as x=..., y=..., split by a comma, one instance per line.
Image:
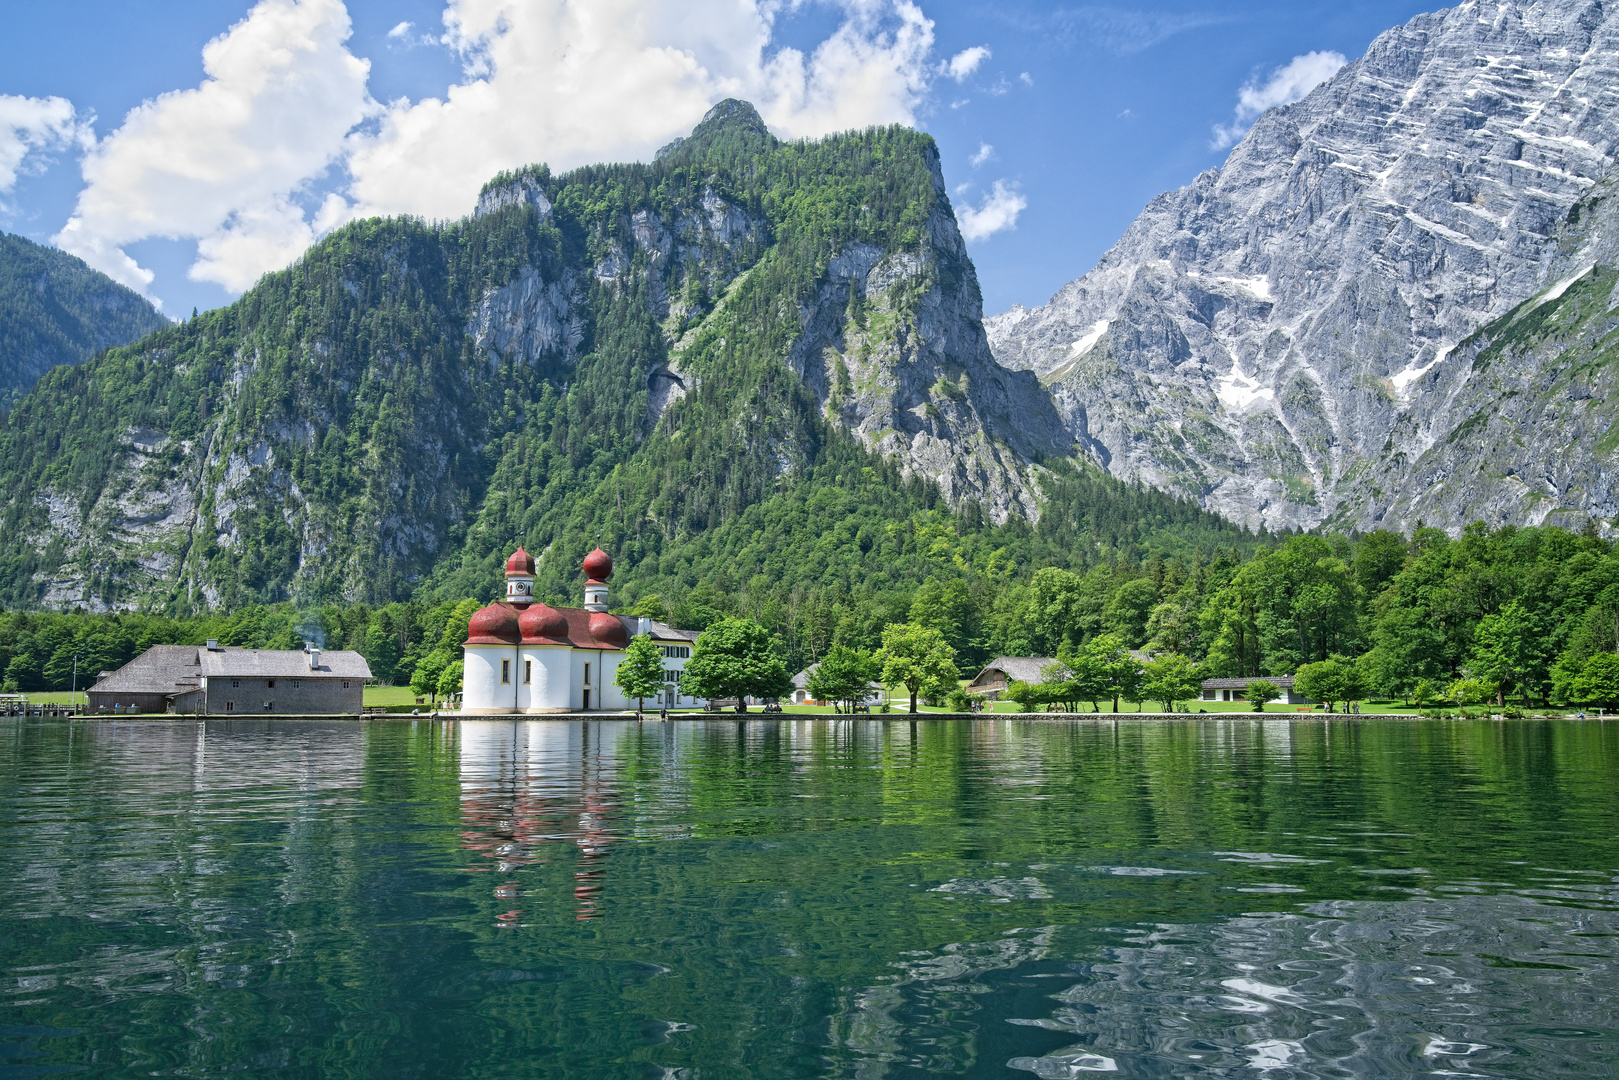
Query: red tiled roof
x=579, y=630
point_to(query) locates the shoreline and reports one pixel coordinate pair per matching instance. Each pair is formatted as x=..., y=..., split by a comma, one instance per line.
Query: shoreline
x=753, y=716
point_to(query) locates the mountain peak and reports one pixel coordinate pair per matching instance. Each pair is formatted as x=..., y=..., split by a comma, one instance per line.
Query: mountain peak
x=1290, y=339
x=730, y=117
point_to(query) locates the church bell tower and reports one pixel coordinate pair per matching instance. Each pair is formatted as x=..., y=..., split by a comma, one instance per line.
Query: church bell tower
x=520, y=579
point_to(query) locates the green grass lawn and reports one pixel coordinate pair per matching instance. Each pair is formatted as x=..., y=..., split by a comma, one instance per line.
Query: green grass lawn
x=377, y=697
x=54, y=697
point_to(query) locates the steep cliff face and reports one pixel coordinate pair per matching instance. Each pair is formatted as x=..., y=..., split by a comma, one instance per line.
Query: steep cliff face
x=1531, y=400
x=655, y=348
x=1280, y=339
x=56, y=310
x=893, y=345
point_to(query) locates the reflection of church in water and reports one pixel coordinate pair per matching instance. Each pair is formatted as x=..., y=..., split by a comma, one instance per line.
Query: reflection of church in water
x=540, y=792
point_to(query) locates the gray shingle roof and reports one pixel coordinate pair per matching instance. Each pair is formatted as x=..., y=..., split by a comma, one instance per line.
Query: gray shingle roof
x=282, y=664
x=1022, y=668
x=665, y=632
x=162, y=669
x=168, y=669
x=1285, y=682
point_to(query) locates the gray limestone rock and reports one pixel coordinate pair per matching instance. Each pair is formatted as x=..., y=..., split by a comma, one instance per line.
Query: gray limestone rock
x=1281, y=338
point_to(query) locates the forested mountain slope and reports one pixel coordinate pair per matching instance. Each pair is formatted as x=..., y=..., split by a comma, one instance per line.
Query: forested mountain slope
x=1283, y=338
x=56, y=310
x=748, y=358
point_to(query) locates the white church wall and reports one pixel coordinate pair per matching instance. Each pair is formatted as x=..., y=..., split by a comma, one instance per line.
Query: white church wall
x=612, y=696
x=549, y=687
x=481, y=688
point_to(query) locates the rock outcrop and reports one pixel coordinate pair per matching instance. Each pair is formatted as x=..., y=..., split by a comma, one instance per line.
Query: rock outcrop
x=1283, y=339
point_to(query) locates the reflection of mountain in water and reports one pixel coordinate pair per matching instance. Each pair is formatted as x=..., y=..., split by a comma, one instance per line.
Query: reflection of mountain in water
x=1465, y=985
x=528, y=789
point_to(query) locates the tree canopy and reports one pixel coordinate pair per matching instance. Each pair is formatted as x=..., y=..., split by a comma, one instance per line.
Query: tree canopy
x=918, y=658
x=735, y=658
x=640, y=673
x=844, y=677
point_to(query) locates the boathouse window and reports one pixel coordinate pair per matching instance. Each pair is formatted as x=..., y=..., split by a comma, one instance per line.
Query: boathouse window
x=230, y=705
x=345, y=684
x=235, y=684
x=506, y=671
x=528, y=671
x=587, y=674
x=295, y=684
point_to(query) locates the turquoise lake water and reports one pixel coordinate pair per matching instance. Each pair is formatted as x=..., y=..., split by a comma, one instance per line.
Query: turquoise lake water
x=877, y=898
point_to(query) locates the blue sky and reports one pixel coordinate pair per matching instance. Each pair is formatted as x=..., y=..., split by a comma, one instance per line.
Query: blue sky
x=1087, y=111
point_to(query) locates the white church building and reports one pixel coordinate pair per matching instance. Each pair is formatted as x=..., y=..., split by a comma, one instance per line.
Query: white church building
x=523, y=656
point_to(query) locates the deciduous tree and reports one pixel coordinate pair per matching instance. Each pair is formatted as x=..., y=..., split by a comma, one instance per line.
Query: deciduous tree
x=640, y=673
x=1171, y=678
x=918, y=658
x=735, y=658
x=1599, y=681
x=1329, y=681
x=843, y=678
x=1261, y=692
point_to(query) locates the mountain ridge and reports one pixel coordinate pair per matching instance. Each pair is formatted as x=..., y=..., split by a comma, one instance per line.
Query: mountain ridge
x=54, y=309
x=1276, y=340
x=674, y=359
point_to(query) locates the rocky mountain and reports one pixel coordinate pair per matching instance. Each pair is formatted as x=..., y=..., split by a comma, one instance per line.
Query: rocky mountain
x=1533, y=397
x=56, y=310
x=748, y=357
x=1376, y=311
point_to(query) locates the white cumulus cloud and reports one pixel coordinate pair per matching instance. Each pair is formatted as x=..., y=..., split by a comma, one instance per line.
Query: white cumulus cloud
x=238, y=162
x=985, y=153
x=965, y=62
x=575, y=81
x=1287, y=84
x=998, y=212
x=32, y=124
x=225, y=162
x=284, y=114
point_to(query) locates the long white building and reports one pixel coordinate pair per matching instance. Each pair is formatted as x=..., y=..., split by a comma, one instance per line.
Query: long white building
x=523, y=656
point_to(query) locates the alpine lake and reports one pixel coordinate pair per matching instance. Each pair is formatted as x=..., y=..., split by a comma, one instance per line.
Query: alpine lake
x=1278, y=897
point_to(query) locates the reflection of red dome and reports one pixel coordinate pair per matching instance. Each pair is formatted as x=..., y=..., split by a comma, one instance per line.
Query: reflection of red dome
x=598, y=565
x=541, y=622
x=493, y=625
x=608, y=630
x=521, y=564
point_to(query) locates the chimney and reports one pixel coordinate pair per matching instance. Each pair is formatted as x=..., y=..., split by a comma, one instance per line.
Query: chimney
x=213, y=644
x=314, y=658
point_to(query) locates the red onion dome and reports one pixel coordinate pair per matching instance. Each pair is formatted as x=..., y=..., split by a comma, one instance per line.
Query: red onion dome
x=493, y=625
x=543, y=623
x=521, y=564
x=598, y=565
x=609, y=630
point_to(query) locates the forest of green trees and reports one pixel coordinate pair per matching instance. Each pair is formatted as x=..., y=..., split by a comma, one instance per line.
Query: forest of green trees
x=1527, y=616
